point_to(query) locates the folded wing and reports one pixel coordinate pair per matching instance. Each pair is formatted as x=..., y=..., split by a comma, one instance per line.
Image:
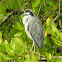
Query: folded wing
x=37, y=32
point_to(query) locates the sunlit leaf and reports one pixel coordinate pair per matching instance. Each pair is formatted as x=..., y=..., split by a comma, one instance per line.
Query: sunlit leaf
x=0, y=34
x=18, y=34
x=47, y=14
x=47, y=21
x=52, y=33
x=57, y=41
x=2, y=48
x=34, y=4
x=46, y=32
x=8, y=57
x=60, y=23
x=5, y=42
x=58, y=44
x=0, y=40
x=49, y=56
x=51, y=16
x=34, y=58
x=60, y=36
x=20, y=27
x=55, y=30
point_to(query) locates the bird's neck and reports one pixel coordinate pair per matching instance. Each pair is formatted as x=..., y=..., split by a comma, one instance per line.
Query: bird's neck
x=25, y=19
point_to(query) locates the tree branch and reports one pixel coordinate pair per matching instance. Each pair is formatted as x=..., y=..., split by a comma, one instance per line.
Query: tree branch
x=39, y=9
x=55, y=57
x=59, y=6
x=5, y=19
x=16, y=10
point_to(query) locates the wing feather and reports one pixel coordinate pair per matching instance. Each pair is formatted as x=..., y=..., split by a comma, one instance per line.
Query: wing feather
x=37, y=32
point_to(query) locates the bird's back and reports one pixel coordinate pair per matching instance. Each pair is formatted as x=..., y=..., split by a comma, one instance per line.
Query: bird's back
x=36, y=31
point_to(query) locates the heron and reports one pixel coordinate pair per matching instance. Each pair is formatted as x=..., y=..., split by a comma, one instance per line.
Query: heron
x=33, y=28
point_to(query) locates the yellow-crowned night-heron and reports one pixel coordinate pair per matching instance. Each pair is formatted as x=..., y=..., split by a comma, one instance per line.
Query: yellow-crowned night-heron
x=33, y=28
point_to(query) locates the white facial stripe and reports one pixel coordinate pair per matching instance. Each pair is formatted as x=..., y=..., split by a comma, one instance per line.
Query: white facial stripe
x=27, y=13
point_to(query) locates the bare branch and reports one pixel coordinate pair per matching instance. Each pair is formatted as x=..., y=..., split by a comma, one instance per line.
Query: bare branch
x=55, y=57
x=16, y=10
x=39, y=9
x=59, y=6
x=5, y=19
x=56, y=17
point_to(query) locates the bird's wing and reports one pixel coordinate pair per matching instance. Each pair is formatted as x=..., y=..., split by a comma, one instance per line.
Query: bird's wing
x=36, y=31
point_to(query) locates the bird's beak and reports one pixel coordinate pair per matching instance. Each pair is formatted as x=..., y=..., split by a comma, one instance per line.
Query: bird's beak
x=22, y=14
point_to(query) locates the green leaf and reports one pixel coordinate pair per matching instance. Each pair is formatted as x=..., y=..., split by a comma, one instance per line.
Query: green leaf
x=18, y=41
x=60, y=36
x=8, y=57
x=60, y=24
x=52, y=33
x=0, y=34
x=57, y=41
x=47, y=14
x=54, y=5
x=2, y=48
x=58, y=44
x=2, y=8
x=20, y=27
x=13, y=46
x=55, y=30
x=12, y=52
x=28, y=58
x=34, y=4
x=47, y=56
x=50, y=56
x=8, y=48
x=11, y=4
x=44, y=2
x=34, y=58
x=2, y=16
x=18, y=34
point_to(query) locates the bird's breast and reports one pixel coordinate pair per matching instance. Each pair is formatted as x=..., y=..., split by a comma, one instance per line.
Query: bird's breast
x=27, y=31
x=25, y=19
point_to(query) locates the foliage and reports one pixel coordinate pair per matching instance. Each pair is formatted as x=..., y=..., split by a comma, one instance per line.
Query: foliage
x=14, y=43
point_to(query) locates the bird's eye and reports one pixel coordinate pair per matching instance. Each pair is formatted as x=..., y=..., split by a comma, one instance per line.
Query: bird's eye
x=25, y=12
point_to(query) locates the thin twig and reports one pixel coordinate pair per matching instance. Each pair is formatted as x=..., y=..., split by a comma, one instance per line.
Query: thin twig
x=59, y=6
x=55, y=18
x=45, y=59
x=39, y=9
x=5, y=19
x=58, y=14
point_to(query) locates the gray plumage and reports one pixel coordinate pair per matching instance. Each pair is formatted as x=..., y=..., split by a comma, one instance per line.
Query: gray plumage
x=33, y=28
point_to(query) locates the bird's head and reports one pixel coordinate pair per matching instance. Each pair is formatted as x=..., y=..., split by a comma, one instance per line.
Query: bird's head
x=27, y=12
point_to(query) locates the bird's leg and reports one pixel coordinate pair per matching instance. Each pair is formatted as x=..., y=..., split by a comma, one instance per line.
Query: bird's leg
x=33, y=45
x=32, y=48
